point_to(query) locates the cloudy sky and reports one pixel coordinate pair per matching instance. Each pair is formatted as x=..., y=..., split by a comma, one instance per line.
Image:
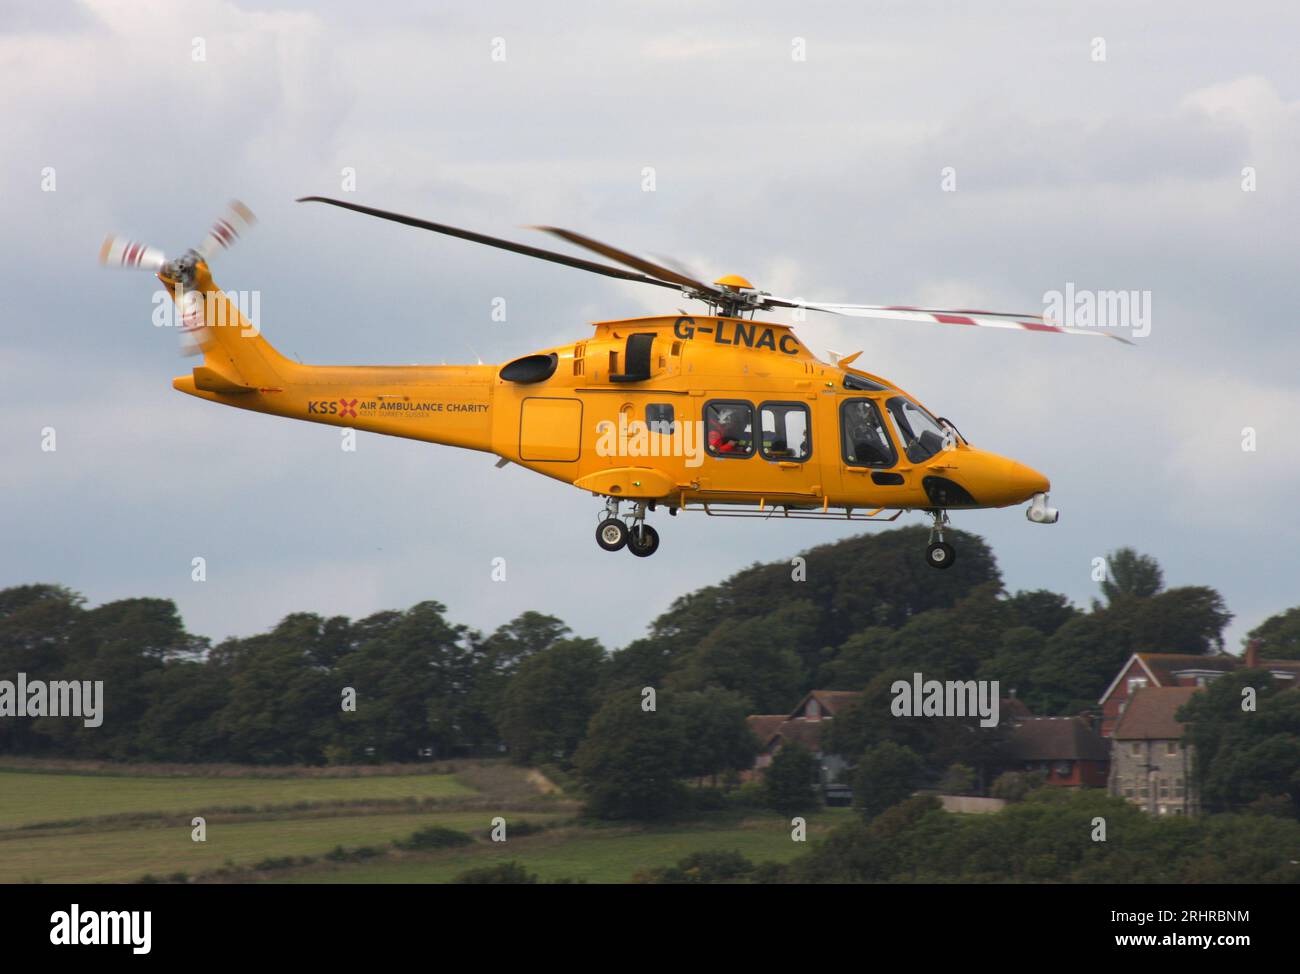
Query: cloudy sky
x=820, y=177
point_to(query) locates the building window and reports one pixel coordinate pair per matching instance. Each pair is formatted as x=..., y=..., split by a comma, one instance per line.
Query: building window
x=1164, y=787
x=1136, y=683
x=1126, y=784
x=1135, y=749
x=1178, y=787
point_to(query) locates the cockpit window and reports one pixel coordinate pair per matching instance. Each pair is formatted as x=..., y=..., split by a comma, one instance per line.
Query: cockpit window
x=865, y=442
x=860, y=383
x=920, y=433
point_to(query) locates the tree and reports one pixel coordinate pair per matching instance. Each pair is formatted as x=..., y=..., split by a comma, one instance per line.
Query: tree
x=885, y=776
x=546, y=705
x=492, y=663
x=1242, y=756
x=714, y=721
x=958, y=780
x=631, y=760
x=1131, y=575
x=1042, y=610
x=1279, y=635
x=1014, y=786
x=1189, y=619
x=843, y=588
x=752, y=657
x=789, y=779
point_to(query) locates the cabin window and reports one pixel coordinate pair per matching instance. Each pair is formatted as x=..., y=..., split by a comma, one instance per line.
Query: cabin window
x=864, y=440
x=785, y=431
x=921, y=434
x=659, y=418
x=729, y=428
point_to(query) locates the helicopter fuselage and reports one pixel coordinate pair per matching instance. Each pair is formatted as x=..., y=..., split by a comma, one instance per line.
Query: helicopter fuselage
x=679, y=411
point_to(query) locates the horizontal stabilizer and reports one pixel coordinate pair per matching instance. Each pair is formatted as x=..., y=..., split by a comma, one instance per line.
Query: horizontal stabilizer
x=210, y=380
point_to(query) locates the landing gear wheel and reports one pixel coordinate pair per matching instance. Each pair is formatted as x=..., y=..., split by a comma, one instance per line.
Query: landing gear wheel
x=611, y=534
x=940, y=555
x=643, y=541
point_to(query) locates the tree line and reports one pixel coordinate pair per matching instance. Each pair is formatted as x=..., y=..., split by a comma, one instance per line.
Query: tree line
x=849, y=615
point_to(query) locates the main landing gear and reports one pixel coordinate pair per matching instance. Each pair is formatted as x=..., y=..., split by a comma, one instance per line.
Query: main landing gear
x=629, y=531
x=939, y=554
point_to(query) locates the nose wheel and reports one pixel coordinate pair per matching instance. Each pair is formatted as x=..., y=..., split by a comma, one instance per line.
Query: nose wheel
x=643, y=540
x=629, y=531
x=939, y=554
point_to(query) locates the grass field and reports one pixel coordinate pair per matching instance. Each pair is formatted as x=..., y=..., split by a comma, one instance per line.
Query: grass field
x=594, y=855
x=94, y=825
x=27, y=797
x=124, y=855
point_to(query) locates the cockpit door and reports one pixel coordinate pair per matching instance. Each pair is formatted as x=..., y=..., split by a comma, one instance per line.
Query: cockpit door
x=869, y=461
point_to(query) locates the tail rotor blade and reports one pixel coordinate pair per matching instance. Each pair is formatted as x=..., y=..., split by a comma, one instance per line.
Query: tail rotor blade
x=227, y=229
x=121, y=252
x=193, y=323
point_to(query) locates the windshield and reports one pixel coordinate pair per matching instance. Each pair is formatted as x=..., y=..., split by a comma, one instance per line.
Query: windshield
x=921, y=435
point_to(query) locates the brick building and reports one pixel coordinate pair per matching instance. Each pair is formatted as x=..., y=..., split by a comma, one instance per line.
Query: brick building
x=1066, y=749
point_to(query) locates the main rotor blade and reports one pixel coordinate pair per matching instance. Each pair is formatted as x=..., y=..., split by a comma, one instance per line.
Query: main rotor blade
x=527, y=251
x=631, y=260
x=981, y=319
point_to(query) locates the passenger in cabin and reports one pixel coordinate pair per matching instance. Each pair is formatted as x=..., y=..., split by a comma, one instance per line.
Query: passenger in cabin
x=727, y=430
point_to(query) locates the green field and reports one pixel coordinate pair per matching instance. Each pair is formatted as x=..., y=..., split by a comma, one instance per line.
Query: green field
x=27, y=797
x=119, y=827
x=593, y=855
x=127, y=854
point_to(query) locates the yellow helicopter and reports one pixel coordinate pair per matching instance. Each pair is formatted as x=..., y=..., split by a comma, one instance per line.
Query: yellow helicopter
x=715, y=412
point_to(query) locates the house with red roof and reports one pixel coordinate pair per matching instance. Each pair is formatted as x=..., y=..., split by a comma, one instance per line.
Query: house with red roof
x=1151, y=761
x=804, y=725
x=1066, y=750
x=1183, y=670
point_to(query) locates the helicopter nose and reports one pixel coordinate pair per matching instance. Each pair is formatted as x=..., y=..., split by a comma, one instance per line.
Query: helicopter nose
x=1024, y=482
